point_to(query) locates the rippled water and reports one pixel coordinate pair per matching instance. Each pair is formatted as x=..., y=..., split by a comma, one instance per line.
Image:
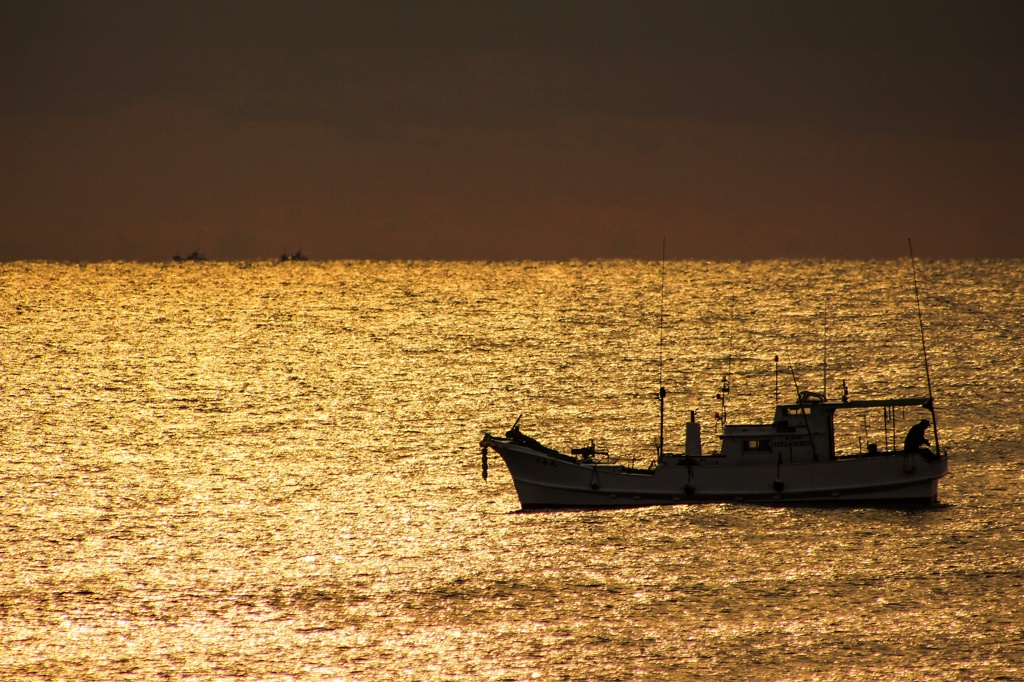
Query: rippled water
x=272, y=471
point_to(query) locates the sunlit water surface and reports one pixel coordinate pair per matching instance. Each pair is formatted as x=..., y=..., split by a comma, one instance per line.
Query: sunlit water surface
x=272, y=471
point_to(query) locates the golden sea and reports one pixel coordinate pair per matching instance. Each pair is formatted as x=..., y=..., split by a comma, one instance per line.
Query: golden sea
x=271, y=471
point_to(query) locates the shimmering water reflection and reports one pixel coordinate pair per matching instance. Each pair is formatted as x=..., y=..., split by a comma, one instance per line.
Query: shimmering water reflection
x=270, y=471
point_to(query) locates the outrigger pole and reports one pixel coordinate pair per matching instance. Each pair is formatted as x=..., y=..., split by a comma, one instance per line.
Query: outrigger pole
x=661, y=359
x=924, y=349
x=803, y=411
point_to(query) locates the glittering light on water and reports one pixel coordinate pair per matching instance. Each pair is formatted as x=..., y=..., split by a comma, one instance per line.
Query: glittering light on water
x=271, y=470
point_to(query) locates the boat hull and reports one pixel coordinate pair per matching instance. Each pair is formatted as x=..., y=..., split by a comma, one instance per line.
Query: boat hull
x=545, y=481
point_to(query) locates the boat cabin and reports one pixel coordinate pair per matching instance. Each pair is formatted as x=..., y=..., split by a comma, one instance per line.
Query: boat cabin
x=805, y=431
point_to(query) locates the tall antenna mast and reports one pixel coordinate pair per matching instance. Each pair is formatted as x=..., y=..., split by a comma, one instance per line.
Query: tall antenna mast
x=661, y=358
x=824, y=353
x=924, y=349
x=777, y=380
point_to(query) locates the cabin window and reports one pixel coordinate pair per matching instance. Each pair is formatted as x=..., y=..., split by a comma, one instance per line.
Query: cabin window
x=757, y=445
x=795, y=411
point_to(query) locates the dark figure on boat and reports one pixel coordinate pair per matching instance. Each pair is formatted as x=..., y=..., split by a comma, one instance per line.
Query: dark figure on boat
x=915, y=436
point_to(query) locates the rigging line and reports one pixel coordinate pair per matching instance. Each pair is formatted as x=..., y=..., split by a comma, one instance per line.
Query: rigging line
x=924, y=348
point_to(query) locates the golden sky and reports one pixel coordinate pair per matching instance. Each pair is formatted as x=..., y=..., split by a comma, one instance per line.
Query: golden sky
x=543, y=130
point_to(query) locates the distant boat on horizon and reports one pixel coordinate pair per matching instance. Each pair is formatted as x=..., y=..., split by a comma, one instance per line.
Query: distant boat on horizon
x=195, y=256
x=298, y=255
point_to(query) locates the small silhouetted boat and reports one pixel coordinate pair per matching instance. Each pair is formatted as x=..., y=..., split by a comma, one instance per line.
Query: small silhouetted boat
x=298, y=255
x=194, y=256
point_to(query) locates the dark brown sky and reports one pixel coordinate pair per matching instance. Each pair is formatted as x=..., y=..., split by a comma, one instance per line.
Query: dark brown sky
x=551, y=130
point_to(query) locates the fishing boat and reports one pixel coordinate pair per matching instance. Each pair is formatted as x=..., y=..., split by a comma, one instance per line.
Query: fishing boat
x=791, y=460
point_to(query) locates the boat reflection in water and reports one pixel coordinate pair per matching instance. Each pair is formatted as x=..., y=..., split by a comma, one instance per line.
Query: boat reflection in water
x=792, y=460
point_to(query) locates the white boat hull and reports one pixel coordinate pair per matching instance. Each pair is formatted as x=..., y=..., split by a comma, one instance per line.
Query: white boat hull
x=551, y=481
